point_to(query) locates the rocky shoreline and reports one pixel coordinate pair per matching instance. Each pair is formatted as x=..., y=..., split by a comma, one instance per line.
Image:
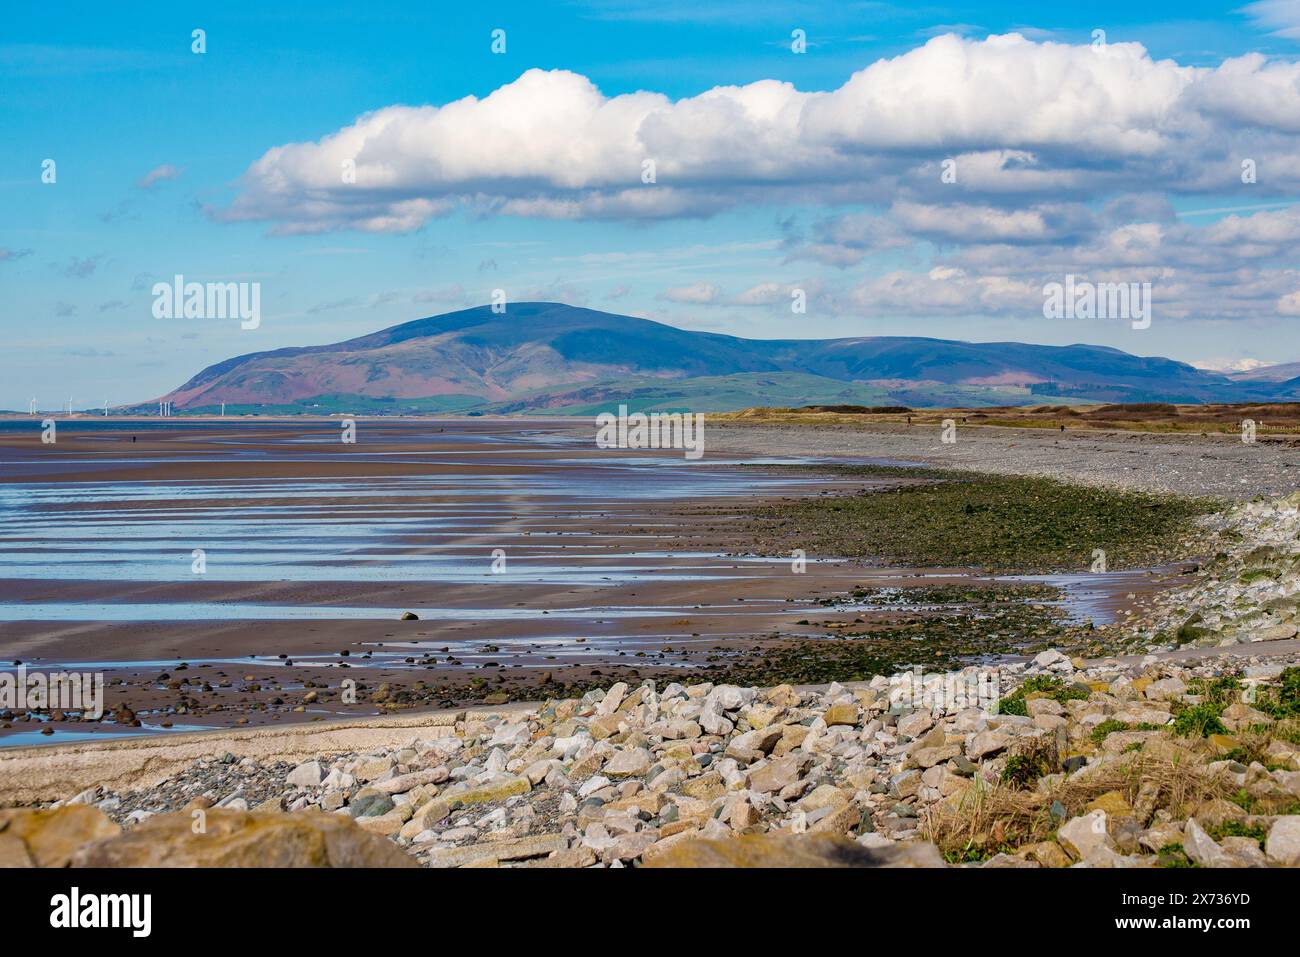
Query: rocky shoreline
x=1106, y=766
x=1220, y=466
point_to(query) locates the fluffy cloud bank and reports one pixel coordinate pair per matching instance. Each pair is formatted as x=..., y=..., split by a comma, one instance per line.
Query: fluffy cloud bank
x=1022, y=121
x=982, y=170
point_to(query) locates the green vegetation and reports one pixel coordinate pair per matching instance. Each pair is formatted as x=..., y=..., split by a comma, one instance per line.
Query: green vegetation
x=1238, y=829
x=1023, y=770
x=1204, y=717
x=1199, y=720
x=1263, y=805
x=1283, y=699
x=1217, y=693
x=1042, y=686
x=1173, y=855
x=949, y=594
x=1106, y=728
x=939, y=518
x=941, y=638
x=1188, y=630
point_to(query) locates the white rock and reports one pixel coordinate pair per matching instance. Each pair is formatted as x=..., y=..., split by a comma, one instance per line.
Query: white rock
x=306, y=775
x=1201, y=848
x=1053, y=660
x=597, y=838
x=1082, y=835
x=1283, y=844
x=729, y=697
x=613, y=698
x=496, y=760
x=714, y=723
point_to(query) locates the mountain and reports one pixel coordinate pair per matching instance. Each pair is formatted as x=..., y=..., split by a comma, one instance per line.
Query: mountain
x=552, y=357
x=1276, y=373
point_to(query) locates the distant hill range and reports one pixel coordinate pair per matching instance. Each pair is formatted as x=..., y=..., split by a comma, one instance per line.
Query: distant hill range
x=1276, y=373
x=547, y=357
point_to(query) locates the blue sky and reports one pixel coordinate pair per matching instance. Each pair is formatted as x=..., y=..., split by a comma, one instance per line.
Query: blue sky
x=163, y=167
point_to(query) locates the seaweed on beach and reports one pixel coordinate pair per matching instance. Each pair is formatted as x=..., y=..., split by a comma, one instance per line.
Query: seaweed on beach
x=1004, y=523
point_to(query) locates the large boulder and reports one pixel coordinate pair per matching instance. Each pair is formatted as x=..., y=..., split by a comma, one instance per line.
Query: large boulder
x=244, y=839
x=49, y=837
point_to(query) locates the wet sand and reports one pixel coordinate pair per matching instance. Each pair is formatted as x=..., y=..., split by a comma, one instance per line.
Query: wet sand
x=615, y=564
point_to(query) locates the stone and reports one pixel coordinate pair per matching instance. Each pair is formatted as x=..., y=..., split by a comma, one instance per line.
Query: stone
x=915, y=724
x=1277, y=633
x=1239, y=716
x=706, y=787
x=761, y=716
x=1117, y=742
x=368, y=803
x=425, y=817
x=386, y=824
x=1216, y=812
x=244, y=839
x=495, y=791
x=407, y=782
x=306, y=775
x=604, y=726
x=538, y=770
x=1201, y=848
x=743, y=815
x=987, y=743
x=783, y=696
x=1106, y=857
x=775, y=775
x=1166, y=689
x=628, y=847
x=788, y=850
x=497, y=851
x=51, y=837
x=372, y=769
x=929, y=757
x=1244, y=852
x=1043, y=706
x=1050, y=722
x=1053, y=660
x=825, y=795
x=1006, y=860
x=714, y=723
x=1162, y=835
x=840, y=819
x=760, y=741
x=841, y=714
x=613, y=698
x=1283, y=843
x=571, y=857
x=13, y=852
x=628, y=762
x=1047, y=853
x=1080, y=835
x=1113, y=803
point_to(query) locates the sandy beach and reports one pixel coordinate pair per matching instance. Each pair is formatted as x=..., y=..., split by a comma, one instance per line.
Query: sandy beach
x=607, y=563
